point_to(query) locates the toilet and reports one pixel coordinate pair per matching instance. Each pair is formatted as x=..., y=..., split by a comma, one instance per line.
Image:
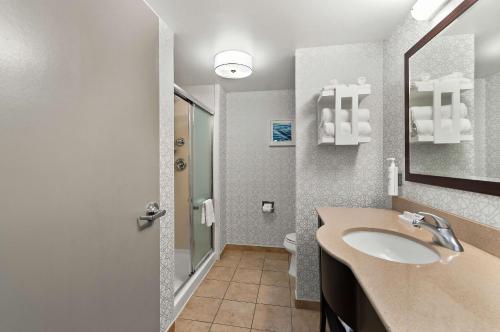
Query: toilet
x=290, y=245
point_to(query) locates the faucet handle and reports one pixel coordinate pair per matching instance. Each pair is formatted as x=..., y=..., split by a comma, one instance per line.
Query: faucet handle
x=440, y=221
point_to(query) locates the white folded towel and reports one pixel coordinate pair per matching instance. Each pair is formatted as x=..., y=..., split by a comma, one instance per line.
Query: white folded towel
x=329, y=129
x=426, y=127
x=425, y=112
x=363, y=115
x=344, y=115
x=326, y=114
x=364, y=128
x=207, y=213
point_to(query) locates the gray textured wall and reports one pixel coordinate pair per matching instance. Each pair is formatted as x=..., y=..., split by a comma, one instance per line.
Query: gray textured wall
x=333, y=175
x=492, y=111
x=255, y=171
x=166, y=67
x=483, y=208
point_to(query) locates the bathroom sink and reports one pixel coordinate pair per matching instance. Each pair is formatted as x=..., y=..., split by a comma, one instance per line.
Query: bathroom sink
x=390, y=246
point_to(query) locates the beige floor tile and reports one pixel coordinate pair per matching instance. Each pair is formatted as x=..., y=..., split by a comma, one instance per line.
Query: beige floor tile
x=202, y=309
x=232, y=253
x=212, y=288
x=242, y=292
x=235, y=314
x=283, y=256
x=305, y=320
x=230, y=261
x=275, y=265
x=254, y=254
x=227, y=328
x=274, y=278
x=274, y=295
x=184, y=325
x=249, y=276
x=251, y=263
x=272, y=318
x=223, y=273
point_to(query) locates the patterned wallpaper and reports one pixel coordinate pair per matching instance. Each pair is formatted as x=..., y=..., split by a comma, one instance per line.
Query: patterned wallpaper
x=256, y=172
x=492, y=105
x=483, y=208
x=333, y=175
x=166, y=67
x=220, y=100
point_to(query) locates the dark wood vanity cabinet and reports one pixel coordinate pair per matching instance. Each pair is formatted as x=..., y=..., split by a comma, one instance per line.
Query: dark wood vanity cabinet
x=342, y=296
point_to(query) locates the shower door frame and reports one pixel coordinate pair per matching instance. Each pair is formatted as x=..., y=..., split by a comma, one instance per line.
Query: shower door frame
x=193, y=102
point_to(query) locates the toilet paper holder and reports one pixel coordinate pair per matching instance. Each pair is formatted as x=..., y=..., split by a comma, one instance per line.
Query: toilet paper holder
x=264, y=203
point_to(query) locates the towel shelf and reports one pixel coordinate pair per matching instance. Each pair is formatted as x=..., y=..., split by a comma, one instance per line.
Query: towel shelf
x=452, y=85
x=342, y=132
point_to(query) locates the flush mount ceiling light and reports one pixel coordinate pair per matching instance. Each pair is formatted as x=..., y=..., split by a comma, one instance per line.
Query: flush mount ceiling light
x=424, y=10
x=233, y=64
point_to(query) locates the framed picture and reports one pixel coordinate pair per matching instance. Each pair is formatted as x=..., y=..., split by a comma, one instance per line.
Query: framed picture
x=282, y=133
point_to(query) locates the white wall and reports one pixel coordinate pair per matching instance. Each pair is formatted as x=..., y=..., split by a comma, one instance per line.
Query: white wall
x=257, y=172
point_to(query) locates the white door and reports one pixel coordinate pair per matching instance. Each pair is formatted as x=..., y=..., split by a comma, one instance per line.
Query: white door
x=79, y=160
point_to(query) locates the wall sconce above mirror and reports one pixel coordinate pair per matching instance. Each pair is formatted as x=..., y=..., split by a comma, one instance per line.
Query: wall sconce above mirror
x=452, y=101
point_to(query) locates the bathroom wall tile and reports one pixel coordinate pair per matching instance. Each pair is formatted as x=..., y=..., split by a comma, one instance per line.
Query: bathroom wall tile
x=255, y=171
x=333, y=175
x=483, y=208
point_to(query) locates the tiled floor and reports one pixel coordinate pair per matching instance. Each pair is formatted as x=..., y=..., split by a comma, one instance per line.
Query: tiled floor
x=246, y=291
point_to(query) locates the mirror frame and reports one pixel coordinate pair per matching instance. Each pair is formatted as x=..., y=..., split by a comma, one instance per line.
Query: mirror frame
x=478, y=186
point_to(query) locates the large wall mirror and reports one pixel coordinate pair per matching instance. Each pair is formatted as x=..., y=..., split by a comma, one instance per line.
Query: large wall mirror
x=452, y=98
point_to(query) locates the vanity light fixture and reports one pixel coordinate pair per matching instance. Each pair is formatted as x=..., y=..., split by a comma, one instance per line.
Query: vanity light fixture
x=424, y=10
x=233, y=64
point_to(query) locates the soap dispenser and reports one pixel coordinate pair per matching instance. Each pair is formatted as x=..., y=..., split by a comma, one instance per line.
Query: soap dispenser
x=392, y=187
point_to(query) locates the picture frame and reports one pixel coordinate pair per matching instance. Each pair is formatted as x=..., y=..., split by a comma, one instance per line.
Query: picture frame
x=282, y=133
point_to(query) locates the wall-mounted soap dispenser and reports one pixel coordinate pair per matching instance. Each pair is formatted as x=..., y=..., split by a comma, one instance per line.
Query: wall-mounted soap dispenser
x=392, y=174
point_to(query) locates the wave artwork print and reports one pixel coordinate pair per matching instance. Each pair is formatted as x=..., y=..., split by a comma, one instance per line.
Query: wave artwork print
x=282, y=132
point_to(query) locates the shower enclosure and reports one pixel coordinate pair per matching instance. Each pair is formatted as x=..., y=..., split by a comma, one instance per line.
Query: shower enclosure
x=193, y=171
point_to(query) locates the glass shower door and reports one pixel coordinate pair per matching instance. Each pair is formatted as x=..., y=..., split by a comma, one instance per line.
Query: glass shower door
x=201, y=164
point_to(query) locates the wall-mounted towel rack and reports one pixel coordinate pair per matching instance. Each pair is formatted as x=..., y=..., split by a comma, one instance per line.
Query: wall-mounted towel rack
x=338, y=125
x=438, y=123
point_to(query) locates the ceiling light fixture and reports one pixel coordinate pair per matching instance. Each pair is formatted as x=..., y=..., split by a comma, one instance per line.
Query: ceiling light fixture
x=424, y=10
x=233, y=64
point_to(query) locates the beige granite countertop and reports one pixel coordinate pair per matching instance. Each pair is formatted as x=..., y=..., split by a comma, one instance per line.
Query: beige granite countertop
x=461, y=292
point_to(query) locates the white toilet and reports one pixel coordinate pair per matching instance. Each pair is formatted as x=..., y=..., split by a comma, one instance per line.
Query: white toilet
x=290, y=245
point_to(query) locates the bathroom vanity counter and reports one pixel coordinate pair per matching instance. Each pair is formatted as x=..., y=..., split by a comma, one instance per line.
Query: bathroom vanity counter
x=460, y=292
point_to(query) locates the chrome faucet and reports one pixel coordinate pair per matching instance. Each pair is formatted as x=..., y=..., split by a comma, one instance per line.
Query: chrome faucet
x=442, y=232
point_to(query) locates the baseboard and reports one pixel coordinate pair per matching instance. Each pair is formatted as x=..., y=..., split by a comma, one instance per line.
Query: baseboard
x=249, y=247
x=307, y=304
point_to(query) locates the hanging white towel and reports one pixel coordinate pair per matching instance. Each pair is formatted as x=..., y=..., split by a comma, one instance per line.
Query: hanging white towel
x=326, y=114
x=207, y=213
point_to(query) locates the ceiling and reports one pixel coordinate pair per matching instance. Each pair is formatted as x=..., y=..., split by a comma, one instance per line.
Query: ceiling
x=270, y=30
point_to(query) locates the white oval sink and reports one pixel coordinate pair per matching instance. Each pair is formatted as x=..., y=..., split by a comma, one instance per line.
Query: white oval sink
x=390, y=246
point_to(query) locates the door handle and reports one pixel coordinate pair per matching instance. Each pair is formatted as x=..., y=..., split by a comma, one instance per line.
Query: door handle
x=153, y=212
